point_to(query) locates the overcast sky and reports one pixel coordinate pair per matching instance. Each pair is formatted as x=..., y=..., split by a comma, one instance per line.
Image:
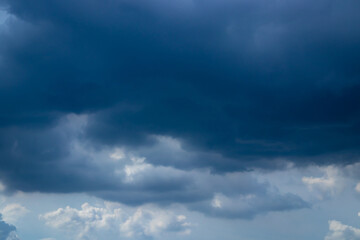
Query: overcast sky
x=179, y=119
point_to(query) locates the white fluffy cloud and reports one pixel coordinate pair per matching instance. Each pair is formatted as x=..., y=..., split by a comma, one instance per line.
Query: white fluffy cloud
x=146, y=222
x=13, y=211
x=85, y=221
x=339, y=231
x=91, y=222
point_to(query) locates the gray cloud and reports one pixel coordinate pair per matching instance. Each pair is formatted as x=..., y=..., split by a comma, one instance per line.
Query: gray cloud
x=248, y=80
x=124, y=176
x=201, y=89
x=247, y=206
x=7, y=231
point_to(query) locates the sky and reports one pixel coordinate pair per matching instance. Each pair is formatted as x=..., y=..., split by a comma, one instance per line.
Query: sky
x=179, y=119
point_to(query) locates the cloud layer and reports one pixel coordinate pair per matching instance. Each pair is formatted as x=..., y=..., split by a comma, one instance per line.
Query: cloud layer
x=252, y=81
x=162, y=102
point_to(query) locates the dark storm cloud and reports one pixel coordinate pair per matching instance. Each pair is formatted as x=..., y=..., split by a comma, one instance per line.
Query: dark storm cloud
x=241, y=84
x=58, y=160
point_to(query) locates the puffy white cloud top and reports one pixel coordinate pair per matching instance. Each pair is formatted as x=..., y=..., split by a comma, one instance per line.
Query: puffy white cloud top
x=91, y=222
x=340, y=231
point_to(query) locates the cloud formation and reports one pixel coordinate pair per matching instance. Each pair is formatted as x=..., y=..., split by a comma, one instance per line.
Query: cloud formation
x=332, y=183
x=157, y=102
x=124, y=176
x=252, y=81
x=248, y=206
x=13, y=211
x=92, y=222
x=340, y=231
x=7, y=231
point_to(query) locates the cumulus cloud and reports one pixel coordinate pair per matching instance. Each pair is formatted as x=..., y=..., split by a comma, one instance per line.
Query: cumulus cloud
x=340, y=231
x=90, y=222
x=84, y=222
x=147, y=223
x=7, y=231
x=13, y=211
